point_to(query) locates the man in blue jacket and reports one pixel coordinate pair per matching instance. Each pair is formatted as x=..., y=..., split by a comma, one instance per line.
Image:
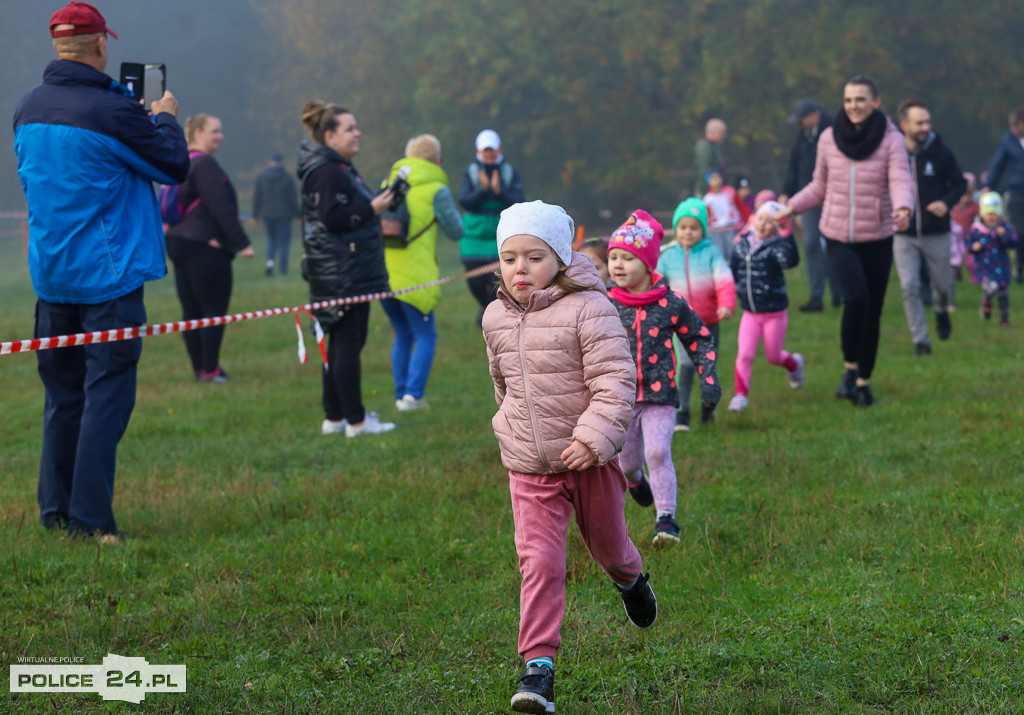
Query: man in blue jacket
x=1009, y=159
x=87, y=154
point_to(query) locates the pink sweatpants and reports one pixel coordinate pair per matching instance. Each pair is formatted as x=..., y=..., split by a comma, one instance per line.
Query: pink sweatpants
x=753, y=327
x=541, y=507
x=649, y=438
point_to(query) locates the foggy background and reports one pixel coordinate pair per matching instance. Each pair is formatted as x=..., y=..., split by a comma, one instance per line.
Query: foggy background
x=598, y=102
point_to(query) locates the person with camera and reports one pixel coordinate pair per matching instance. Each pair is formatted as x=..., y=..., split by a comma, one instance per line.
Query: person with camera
x=411, y=256
x=489, y=186
x=88, y=153
x=343, y=257
x=203, y=245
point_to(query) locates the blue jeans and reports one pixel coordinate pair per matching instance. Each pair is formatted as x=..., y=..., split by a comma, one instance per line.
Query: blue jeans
x=90, y=394
x=279, y=238
x=412, y=353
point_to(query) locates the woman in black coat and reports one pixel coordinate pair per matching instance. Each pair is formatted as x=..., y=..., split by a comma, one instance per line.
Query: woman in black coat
x=343, y=257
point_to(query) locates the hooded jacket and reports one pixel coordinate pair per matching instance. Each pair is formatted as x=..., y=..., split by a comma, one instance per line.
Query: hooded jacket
x=562, y=371
x=938, y=177
x=760, y=282
x=274, y=196
x=858, y=197
x=87, y=156
x=992, y=261
x=343, y=246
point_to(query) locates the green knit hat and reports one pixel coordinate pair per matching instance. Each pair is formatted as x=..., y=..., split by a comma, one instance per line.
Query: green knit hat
x=694, y=208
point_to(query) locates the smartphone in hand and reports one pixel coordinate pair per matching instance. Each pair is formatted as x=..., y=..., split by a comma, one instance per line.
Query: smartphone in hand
x=146, y=81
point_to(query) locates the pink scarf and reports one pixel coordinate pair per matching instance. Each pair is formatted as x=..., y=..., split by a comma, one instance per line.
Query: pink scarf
x=634, y=300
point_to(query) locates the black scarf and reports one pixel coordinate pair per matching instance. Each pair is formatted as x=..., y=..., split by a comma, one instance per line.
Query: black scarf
x=859, y=144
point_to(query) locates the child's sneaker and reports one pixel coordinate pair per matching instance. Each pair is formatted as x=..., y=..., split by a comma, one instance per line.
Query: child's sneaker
x=535, y=690
x=666, y=531
x=986, y=309
x=408, y=403
x=738, y=403
x=332, y=427
x=640, y=603
x=797, y=376
x=707, y=413
x=682, y=422
x=641, y=491
x=371, y=425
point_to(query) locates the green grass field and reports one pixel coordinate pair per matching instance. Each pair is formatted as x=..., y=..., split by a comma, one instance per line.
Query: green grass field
x=832, y=560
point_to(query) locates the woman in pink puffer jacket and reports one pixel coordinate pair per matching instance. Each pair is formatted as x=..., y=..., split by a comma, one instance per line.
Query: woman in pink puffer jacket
x=565, y=383
x=862, y=181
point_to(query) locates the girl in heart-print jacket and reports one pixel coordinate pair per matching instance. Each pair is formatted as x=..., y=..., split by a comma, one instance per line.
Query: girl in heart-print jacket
x=650, y=320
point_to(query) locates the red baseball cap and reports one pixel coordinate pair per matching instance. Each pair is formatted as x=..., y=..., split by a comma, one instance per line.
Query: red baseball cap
x=83, y=18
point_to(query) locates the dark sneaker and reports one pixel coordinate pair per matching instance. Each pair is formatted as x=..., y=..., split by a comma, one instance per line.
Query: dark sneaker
x=640, y=603
x=943, y=326
x=682, y=422
x=848, y=385
x=641, y=491
x=708, y=413
x=666, y=531
x=535, y=690
x=922, y=349
x=864, y=397
x=814, y=305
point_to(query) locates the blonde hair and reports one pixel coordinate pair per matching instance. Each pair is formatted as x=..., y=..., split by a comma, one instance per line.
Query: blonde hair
x=424, y=146
x=320, y=118
x=75, y=45
x=194, y=124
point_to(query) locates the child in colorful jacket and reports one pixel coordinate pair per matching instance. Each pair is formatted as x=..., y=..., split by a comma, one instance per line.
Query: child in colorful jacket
x=757, y=262
x=988, y=240
x=652, y=314
x=695, y=268
x=727, y=214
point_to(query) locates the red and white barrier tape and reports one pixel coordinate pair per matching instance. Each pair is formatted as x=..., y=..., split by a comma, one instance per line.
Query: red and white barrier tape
x=109, y=336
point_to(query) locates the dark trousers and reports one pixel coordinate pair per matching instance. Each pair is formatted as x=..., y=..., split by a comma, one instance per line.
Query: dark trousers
x=342, y=392
x=484, y=288
x=862, y=270
x=90, y=394
x=202, y=275
x=1015, y=214
x=279, y=238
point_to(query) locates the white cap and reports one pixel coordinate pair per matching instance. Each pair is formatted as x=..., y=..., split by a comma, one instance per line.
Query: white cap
x=770, y=207
x=488, y=139
x=548, y=222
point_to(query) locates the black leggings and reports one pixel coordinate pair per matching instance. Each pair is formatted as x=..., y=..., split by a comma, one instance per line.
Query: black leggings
x=862, y=270
x=342, y=390
x=202, y=275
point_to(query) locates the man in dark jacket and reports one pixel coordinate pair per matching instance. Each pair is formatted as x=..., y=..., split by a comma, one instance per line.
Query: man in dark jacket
x=1009, y=159
x=812, y=119
x=87, y=154
x=275, y=202
x=939, y=184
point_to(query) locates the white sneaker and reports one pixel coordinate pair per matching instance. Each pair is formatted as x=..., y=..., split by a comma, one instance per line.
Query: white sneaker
x=738, y=403
x=371, y=425
x=332, y=427
x=408, y=403
x=798, y=376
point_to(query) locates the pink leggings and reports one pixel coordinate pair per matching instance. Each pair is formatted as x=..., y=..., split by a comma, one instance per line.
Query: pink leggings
x=753, y=327
x=541, y=507
x=649, y=438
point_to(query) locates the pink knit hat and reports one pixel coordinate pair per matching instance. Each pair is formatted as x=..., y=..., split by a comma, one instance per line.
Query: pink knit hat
x=641, y=235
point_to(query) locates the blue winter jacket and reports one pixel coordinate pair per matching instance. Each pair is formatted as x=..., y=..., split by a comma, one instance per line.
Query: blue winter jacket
x=87, y=154
x=1009, y=159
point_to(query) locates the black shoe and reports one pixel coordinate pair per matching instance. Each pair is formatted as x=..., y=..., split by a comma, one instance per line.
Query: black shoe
x=943, y=326
x=848, y=385
x=535, y=690
x=707, y=413
x=640, y=602
x=682, y=422
x=922, y=349
x=864, y=397
x=812, y=306
x=641, y=491
x=666, y=531
x=55, y=521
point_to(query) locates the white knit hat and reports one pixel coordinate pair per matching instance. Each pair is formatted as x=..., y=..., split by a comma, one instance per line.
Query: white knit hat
x=548, y=222
x=488, y=139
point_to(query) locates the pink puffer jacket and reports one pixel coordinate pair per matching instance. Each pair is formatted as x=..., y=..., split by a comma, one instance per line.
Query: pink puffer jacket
x=858, y=196
x=562, y=371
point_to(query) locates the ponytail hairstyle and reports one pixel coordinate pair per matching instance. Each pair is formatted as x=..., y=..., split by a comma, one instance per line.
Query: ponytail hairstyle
x=320, y=118
x=194, y=124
